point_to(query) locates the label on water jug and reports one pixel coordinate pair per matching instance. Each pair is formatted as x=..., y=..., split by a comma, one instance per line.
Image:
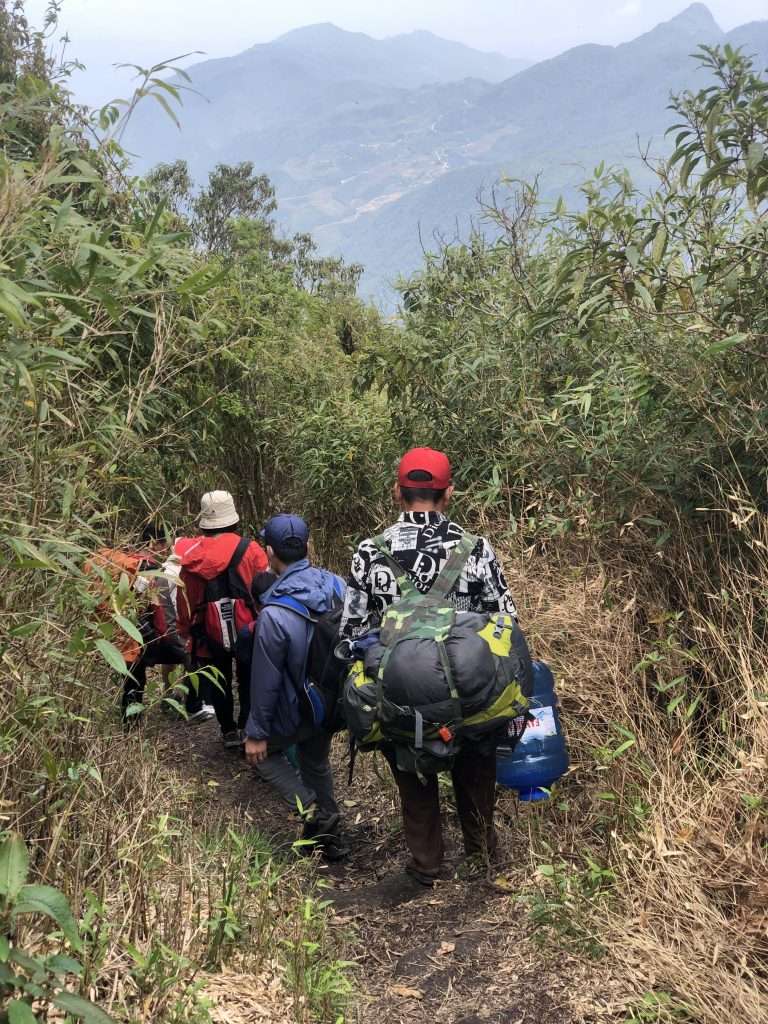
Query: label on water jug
x=537, y=728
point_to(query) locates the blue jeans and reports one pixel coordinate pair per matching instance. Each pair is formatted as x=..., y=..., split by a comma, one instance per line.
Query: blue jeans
x=311, y=783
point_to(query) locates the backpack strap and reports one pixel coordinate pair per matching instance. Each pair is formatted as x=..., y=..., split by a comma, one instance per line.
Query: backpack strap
x=453, y=568
x=228, y=584
x=286, y=601
x=235, y=584
x=380, y=543
x=448, y=576
x=296, y=606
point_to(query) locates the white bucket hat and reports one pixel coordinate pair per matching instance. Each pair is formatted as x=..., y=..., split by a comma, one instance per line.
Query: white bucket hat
x=217, y=510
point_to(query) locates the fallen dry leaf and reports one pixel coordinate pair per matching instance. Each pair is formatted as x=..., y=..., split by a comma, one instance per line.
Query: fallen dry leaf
x=406, y=993
x=446, y=947
x=504, y=884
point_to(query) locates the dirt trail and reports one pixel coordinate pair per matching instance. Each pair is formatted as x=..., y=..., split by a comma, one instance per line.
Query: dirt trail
x=458, y=954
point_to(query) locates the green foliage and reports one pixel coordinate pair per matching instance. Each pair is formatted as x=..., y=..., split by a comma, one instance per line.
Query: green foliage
x=232, y=194
x=660, y=1008
x=29, y=978
x=138, y=369
x=324, y=987
x=603, y=366
x=562, y=909
x=597, y=371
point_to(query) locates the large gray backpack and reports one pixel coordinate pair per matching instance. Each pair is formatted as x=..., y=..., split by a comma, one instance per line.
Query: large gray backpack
x=436, y=677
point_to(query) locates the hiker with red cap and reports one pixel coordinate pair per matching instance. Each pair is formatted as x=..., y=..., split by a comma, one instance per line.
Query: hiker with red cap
x=417, y=548
x=215, y=603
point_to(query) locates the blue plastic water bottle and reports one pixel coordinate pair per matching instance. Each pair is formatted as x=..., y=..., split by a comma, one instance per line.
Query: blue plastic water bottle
x=540, y=756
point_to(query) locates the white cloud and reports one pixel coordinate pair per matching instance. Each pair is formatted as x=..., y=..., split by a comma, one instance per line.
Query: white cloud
x=631, y=9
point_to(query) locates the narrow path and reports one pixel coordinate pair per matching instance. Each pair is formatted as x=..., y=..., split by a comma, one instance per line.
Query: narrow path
x=462, y=953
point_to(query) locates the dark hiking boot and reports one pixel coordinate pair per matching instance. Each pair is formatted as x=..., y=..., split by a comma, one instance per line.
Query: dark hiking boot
x=333, y=848
x=317, y=823
x=321, y=830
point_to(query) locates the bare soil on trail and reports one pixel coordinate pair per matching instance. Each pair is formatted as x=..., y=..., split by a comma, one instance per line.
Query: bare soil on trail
x=463, y=952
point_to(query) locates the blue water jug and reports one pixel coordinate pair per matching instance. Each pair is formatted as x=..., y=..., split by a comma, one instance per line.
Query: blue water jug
x=540, y=757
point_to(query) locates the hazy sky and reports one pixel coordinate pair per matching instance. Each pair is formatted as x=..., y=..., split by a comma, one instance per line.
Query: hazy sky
x=104, y=32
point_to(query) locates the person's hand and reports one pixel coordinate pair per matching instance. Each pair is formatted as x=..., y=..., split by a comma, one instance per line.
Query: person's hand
x=255, y=751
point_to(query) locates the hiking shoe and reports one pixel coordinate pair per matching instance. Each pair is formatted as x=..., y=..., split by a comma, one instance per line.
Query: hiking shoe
x=321, y=831
x=317, y=823
x=333, y=848
x=205, y=714
x=233, y=739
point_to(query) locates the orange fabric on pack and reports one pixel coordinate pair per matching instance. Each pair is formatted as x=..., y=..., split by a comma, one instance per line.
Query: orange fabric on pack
x=117, y=562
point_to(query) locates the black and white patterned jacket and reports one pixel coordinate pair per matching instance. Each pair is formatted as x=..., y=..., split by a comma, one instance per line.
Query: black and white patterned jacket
x=421, y=542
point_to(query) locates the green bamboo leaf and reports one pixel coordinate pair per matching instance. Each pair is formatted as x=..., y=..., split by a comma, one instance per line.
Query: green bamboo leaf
x=674, y=703
x=130, y=628
x=166, y=107
x=691, y=709
x=26, y=629
x=14, y=865
x=201, y=281
x=644, y=295
x=81, y=1008
x=725, y=343
x=64, y=965
x=716, y=171
x=44, y=899
x=755, y=154
x=159, y=211
x=20, y=1012
x=30, y=555
x=12, y=311
x=61, y=356
x=622, y=748
x=86, y=169
x=109, y=254
x=112, y=656
x=659, y=244
x=62, y=215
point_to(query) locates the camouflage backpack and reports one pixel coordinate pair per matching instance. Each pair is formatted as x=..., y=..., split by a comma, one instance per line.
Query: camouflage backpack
x=437, y=676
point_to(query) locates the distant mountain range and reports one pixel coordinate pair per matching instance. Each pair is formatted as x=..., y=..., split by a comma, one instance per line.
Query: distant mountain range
x=379, y=146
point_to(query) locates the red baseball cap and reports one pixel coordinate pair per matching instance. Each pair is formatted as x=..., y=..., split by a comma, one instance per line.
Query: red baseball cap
x=420, y=461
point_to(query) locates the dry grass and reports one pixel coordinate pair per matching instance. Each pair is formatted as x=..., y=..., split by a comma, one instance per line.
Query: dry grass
x=679, y=817
x=246, y=998
x=686, y=827
x=170, y=882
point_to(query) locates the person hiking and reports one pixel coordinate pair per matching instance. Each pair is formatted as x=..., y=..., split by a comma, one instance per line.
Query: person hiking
x=421, y=542
x=215, y=602
x=280, y=715
x=196, y=709
x=155, y=615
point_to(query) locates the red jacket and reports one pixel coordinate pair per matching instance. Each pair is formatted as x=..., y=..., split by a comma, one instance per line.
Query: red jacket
x=205, y=559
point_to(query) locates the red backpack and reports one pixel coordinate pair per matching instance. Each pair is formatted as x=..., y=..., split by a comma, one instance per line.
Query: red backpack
x=226, y=607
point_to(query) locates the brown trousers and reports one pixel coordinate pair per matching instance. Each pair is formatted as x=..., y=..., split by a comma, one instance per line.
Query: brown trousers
x=474, y=784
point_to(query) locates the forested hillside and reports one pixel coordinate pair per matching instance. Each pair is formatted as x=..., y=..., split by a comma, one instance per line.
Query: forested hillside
x=598, y=375
x=375, y=157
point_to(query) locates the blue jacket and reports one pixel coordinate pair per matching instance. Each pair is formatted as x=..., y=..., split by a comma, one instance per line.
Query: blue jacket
x=281, y=645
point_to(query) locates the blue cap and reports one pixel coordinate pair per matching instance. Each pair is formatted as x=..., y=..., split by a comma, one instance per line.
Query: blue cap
x=285, y=531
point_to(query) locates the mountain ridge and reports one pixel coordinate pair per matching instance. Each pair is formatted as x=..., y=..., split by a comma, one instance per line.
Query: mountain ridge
x=371, y=166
